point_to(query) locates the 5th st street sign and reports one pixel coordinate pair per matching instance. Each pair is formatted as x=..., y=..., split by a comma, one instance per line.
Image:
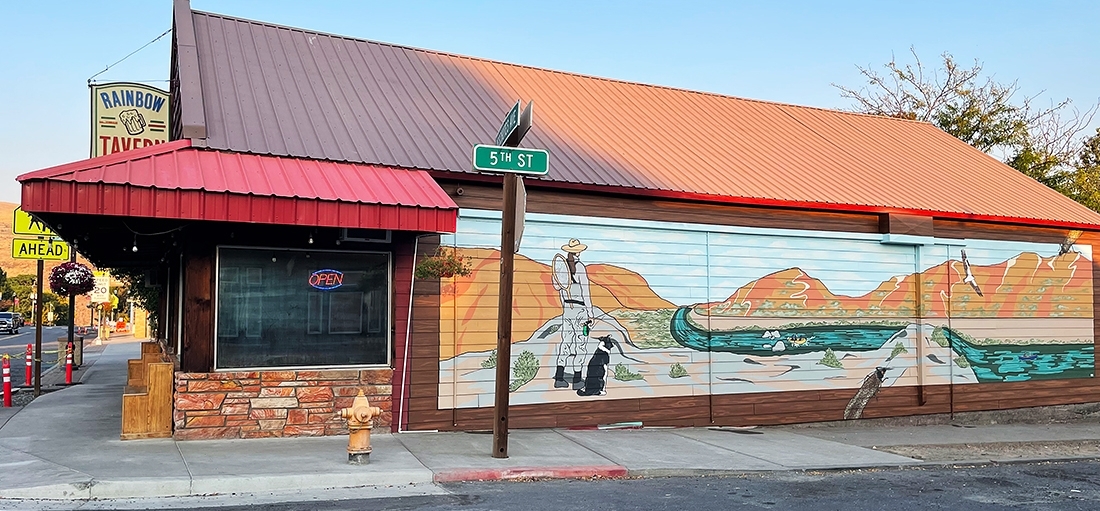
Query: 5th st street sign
x=489, y=158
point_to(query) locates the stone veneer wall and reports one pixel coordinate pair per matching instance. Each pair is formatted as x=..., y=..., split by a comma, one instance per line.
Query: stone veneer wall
x=260, y=404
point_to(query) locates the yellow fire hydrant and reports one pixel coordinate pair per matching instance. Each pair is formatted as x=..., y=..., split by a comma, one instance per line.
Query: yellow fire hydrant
x=360, y=416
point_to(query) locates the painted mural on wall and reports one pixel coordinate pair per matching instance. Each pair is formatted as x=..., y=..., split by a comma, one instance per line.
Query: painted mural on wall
x=612, y=309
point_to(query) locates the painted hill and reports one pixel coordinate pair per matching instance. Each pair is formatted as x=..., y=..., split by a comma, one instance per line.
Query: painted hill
x=1027, y=285
x=473, y=299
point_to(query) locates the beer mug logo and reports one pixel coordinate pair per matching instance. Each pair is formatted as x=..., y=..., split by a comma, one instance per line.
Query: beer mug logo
x=133, y=121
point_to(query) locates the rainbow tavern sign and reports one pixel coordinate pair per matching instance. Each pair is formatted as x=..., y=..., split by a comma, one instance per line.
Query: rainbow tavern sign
x=127, y=116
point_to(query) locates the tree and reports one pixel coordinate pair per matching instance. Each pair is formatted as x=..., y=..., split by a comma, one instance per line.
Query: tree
x=1042, y=142
x=1083, y=184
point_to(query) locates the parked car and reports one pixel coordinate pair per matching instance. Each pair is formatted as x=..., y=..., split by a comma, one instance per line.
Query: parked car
x=8, y=323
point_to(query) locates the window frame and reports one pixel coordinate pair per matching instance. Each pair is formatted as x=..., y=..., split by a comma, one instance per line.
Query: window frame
x=389, y=310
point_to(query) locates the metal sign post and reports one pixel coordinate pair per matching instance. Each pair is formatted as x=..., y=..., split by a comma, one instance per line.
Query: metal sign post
x=38, y=332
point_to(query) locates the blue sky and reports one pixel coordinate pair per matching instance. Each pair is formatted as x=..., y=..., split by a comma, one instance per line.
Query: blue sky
x=780, y=51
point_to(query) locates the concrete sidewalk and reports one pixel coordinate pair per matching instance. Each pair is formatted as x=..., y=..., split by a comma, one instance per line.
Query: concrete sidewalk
x=65, y=445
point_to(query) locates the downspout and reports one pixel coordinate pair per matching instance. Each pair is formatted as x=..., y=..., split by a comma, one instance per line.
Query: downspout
x=408, y=337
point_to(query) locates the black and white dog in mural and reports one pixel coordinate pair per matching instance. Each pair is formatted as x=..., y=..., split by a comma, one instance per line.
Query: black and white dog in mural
x=596, y=378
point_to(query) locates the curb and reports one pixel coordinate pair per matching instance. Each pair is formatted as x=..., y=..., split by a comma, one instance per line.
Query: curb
x=507, y=474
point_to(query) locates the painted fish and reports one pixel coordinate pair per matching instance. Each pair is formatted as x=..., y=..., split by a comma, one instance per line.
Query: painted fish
x=737, y=380
x=935, y=359
x=751, y=361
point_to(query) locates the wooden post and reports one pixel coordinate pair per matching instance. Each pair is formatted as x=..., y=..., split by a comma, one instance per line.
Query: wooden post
x=504, y=316
x=38, y=333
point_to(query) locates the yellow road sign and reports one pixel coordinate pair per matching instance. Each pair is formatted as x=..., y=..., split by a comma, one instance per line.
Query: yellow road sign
x=24, y=223
x=55, y=250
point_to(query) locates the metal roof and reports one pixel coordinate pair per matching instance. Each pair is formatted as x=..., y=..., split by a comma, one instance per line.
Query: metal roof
x=277, y=90
x=175, y=180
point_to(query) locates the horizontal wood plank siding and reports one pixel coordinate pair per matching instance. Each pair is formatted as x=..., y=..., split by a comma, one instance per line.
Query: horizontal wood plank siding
x=731, y=409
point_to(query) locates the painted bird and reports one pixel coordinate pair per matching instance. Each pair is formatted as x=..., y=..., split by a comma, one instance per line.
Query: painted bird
x=969, y=279
x=871, y=385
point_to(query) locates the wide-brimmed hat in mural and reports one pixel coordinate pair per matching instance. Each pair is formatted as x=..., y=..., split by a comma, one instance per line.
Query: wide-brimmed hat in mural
x=575, y=246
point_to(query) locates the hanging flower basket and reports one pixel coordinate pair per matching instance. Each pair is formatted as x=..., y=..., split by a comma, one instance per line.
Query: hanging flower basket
x=71, y=278
x=445, y=263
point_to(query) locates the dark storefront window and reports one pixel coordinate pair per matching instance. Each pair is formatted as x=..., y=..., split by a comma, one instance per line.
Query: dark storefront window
x=295, y=308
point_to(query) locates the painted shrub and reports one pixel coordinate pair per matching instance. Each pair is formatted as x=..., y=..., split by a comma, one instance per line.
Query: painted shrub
x=613, y=309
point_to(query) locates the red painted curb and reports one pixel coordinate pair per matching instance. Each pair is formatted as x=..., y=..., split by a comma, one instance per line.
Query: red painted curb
x=502, y=474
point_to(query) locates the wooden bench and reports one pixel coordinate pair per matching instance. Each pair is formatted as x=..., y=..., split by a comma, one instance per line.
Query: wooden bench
x=147, y=399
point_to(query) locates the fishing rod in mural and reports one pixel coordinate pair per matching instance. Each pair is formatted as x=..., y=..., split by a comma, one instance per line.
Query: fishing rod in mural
x=611, y=312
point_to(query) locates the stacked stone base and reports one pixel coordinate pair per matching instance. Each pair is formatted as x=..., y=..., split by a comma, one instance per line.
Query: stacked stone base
x=265, y=404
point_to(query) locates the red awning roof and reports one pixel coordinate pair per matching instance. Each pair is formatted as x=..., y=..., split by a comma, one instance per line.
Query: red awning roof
x=177, y=181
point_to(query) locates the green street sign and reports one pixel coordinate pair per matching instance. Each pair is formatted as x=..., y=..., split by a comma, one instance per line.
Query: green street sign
x=511, y=122
x=489, y=158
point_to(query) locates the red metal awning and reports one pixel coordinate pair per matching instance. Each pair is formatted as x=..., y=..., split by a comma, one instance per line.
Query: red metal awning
x=177, y=181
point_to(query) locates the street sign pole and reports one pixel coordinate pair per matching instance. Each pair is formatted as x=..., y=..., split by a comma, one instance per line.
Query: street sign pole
x=38, y=332
x=504, y=316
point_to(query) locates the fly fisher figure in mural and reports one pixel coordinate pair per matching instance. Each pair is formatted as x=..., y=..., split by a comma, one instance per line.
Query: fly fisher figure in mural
x=571, y=280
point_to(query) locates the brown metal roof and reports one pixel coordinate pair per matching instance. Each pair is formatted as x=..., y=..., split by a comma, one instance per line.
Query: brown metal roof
x=284, y=91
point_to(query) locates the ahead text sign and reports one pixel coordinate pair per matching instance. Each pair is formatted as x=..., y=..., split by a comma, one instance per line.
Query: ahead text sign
x=55, y=250
x=509, y=159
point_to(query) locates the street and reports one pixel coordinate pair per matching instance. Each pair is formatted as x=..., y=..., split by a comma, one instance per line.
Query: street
x=1033, y=486
x=16, y=347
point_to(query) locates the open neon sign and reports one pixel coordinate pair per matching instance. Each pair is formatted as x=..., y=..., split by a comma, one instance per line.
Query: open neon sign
x=326, y=279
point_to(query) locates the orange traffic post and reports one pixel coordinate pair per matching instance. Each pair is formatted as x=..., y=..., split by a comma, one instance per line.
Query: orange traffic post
x=7, y=381
x=69, y=364
x=30, y=365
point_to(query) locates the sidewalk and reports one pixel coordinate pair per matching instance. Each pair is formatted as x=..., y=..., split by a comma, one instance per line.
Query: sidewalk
x=65, y=445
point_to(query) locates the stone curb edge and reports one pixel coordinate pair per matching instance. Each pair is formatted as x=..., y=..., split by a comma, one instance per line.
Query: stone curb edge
x=507, y=474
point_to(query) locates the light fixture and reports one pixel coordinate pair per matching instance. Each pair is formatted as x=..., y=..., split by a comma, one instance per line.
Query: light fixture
x=311, y=239
x=135, y=243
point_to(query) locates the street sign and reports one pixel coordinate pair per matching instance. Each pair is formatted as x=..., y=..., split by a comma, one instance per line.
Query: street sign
x=511, y=121
x=521, y=209
x=39, y=248
x=101, y=292
x=24, y=223
x=511, y=160
x=523, y=128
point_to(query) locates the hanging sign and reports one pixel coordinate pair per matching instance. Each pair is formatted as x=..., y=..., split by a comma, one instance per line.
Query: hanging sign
x=326, y=279
x=127, y=116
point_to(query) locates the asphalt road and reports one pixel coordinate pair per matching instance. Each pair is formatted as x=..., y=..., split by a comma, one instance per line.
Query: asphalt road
x=1033, y=486
x=16, y=346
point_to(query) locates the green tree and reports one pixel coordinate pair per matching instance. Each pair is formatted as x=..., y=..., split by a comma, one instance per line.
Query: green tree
x=1083, y=183
x=1042, y=142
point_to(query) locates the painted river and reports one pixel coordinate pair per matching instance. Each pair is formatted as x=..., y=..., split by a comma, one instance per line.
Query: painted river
x=1004, y=362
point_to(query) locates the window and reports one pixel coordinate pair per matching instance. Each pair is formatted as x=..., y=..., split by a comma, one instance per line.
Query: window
x=297, y=308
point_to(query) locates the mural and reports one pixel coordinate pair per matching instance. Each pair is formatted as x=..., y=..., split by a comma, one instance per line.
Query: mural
x=612, y=309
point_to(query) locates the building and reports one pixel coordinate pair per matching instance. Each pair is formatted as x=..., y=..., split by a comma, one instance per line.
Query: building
x=690, y=259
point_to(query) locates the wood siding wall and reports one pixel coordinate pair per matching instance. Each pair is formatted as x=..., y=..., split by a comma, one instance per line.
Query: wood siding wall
x=728, y=409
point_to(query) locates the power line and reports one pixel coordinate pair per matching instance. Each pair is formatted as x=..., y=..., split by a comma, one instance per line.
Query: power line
x=128, y=56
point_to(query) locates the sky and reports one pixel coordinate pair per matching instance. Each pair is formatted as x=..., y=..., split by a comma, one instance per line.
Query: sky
x=785, y=51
